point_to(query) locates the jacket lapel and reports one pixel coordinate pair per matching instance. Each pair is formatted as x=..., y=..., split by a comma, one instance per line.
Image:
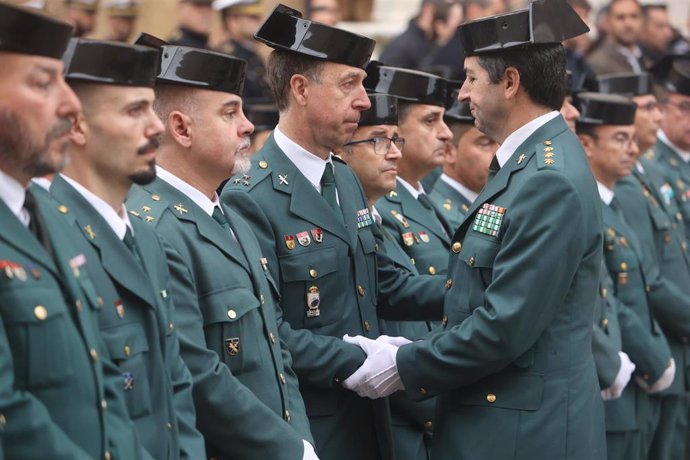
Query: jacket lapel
x=414, y=210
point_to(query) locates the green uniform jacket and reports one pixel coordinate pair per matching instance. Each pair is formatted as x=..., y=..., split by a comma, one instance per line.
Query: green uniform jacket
x=137, y=323
x=667, y=272
x=421, y=232
x=678, y=172
x=624, y=262
x=246, y=395
x=65, y=401
x=514, y=362
x=332, y=266
x=449, y=203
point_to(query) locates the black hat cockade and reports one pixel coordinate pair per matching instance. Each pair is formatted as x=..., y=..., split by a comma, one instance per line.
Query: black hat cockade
x=383, y=111
x=110, y=63
x=604, y=109
x=543, y=22
x=407, y=85
x=672, y=72
x=459, y=112
x=30, y=32
x=285, y=30
x=627, y=84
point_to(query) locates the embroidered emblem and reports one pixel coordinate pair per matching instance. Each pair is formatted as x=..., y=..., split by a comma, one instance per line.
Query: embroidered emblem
x=232, y=345
x=488, y=219
x=128, y=381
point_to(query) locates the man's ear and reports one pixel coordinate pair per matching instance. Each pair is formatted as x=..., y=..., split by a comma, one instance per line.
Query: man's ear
x=299, y=87
x=179, y=126
x=510, y=82
x=587, y=142
x=78, y=133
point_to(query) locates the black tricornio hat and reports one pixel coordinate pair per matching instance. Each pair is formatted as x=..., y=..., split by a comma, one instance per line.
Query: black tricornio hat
x=543, y=22
x=604, y=109
x=459, y=112
x=383, y=111
x=626, y=84
x=407, y=85
x=673, y=73
x=285, y=29
x=111, y=63
x=30, y=32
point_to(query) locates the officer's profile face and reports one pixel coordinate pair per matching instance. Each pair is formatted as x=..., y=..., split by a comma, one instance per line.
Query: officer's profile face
x=569, y=112
x=676, y=112
x=611, y=152
x=377, y=172
x=426, y=135
x=484, y=97
x=468, y=159
x=36, y=112
x=333, y=104
x=220, y=135
x=647, y=120
x=120, y=133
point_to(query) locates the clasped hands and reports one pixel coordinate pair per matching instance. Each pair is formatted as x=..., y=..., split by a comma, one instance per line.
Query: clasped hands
x=378, y=376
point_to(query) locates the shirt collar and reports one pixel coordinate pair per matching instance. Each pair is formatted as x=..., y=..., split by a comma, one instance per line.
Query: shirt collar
x=639, y=167
x=470, y=195
x=13, y=194
x=512, y=142
x=189, y=191
x=413, y=191
x=684, y=154
x=307, y=163
x=605, y=193
x=377, y=217
x=119, y=222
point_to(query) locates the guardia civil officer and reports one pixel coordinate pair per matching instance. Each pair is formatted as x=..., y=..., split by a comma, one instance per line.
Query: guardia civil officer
x=465, y=165
x=606, y=129
x=312, y=220
x=113, y=145
x=60, y=398
x=513, y=360
x=245, y=392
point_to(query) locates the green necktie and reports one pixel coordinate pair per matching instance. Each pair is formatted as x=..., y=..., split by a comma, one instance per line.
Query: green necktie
x=494, y=167
x=328, y=190
x=36, y=224
x=424, y=199
x=219, y=217
x=132, y=246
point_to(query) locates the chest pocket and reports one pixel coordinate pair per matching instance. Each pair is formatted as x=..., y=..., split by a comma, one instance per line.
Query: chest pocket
x=128, y=348
x=233, y=327
x=40, y=332
x=307, y=275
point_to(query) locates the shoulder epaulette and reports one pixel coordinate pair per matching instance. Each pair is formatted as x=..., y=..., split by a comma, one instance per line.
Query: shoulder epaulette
x=548, y=156
x=258, y=172
x=147, y=207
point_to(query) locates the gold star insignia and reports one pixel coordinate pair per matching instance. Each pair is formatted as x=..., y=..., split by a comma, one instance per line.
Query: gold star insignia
x=548, y=155
x=549, y=161
x=548, y=142
x=149, y=218
x=548, y=149
x=134, y=213
x=146, y=209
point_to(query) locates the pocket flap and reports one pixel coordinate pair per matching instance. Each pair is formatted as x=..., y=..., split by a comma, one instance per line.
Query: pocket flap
x=523, y=391
x=478, y=253
x=228, y=306
x=125, y=341
x=309, y=265
x=43, y=305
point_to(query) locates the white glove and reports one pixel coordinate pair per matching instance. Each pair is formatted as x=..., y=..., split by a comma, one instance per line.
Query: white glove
x=378, y=376
x=309, y=453
x=397, y=341
x=663, y=382
x=622, y=378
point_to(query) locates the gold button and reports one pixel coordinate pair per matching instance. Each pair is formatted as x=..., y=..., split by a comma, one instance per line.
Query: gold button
x=624, y=266
x=128, y=350
x=99, y=300
x=104, y=404
x=262, y=299
x=604, y=292
x=449, y=283
x=63, y=209
x=445, y=320
x=155, y=198
x=679, y=216
x=107, y=455
x=313, y=273
x=428, y=424
x=432, y=270
x=263, y=164
x=648, y=289
x=360, y=290
x=78, y=304
x=366, y=326
x=40, y=312
x=423, y=391
x=287, y=416
x=171, y=327
x=94, y=354
x=491, y=398
x=471, y=261
x=169, y=426
x=3, y=420
x=282, y=378
x=456, y=247
x=272, y=337
x=232, y=314
x=604, y=322
x=684, y=245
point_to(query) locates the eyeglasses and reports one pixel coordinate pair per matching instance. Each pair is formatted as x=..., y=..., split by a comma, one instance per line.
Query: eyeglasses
x=682, y=106
x=382, y=144
x=624, y=141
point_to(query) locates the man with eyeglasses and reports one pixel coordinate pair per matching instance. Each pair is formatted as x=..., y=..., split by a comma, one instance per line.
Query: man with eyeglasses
x=407, y=211
x=646, y=200
x=607, y=131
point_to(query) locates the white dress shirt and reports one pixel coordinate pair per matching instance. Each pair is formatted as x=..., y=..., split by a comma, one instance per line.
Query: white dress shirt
x=520, y=135
x=13, y=194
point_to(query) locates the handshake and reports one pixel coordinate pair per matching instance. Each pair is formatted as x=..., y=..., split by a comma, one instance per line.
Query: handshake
x=378, y=376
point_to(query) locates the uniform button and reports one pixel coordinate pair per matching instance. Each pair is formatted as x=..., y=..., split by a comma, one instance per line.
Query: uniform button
x=262, y=299
x=94, y=354
x=232, y=314
x=428, y=424
x=423, y=392
x=78, y=304
x=155, y=198
x=287, y=416
x=604, y=322
x=3, y=420
x=40, y=312
x=360, y=290
x=604, y=292
x=471, y=261
x=313, y=273
x=432, y=270
x=648, y=289
x=104, y=404
x=456, y=247
x=679, y=216
x=449, y=283
x=491, y=398
x=684, y=245
x=169, y=426
x=99, y=300
x=366, y=326
x=282, y=378
x=107, y=455
x=263, y=164
x=445, y=320
x=272, y=337
x=171, y=327
x=624, y=266
x=128, y=350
